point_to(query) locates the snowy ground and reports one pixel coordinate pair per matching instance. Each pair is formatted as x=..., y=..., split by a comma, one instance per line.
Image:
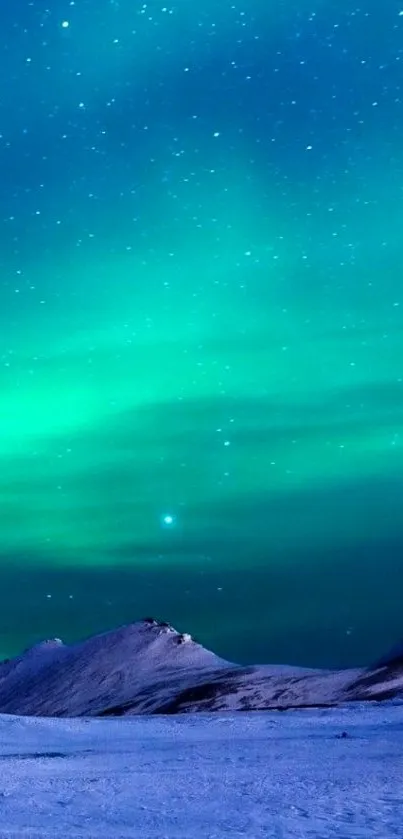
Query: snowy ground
x=259, y=776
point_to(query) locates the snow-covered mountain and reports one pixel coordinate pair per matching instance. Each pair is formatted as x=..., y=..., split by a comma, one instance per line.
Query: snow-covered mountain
x=384, y=680
x=149, y=668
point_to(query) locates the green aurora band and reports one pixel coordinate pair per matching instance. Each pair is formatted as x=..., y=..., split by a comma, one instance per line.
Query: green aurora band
x=201, y=331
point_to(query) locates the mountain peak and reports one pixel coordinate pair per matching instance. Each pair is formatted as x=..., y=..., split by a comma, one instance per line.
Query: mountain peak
x=46, y=644
x=143, y=664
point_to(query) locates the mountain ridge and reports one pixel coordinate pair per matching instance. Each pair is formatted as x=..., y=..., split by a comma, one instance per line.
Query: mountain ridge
x=148, y=667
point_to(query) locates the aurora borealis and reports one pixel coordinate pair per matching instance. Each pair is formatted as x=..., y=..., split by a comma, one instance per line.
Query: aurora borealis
x=201, y=323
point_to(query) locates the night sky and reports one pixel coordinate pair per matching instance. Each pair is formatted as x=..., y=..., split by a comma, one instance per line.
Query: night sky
x=201, y=323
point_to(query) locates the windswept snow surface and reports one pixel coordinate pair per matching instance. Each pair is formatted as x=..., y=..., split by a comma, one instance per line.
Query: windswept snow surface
x=270, y=775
